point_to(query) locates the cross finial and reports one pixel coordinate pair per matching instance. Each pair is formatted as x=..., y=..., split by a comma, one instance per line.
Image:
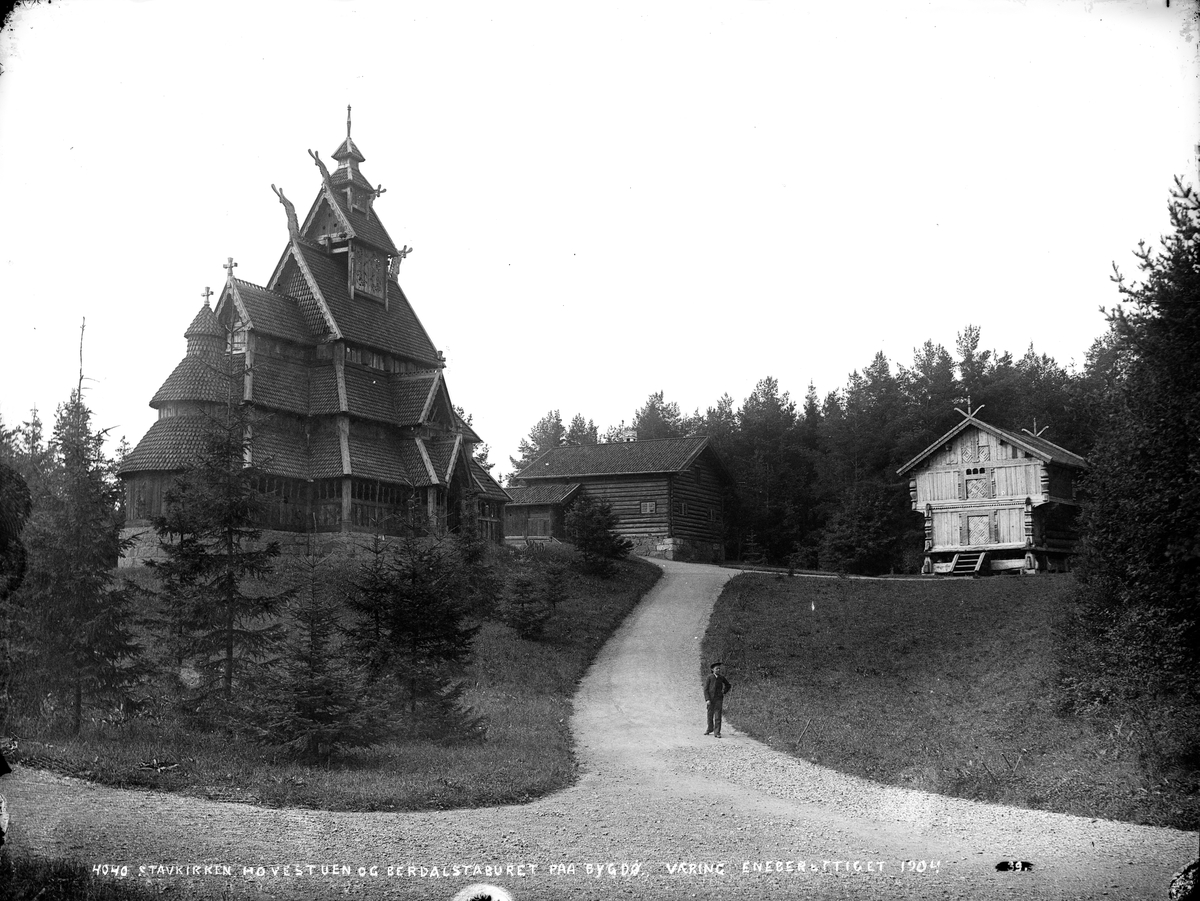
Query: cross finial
x=230, y=266
x=206, y=294
x=379, y=189
x=347, y=120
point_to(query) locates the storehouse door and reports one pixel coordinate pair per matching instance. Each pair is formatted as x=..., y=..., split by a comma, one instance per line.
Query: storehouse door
x=979, y=529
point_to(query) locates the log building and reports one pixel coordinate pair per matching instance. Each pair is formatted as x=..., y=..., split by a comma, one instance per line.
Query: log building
x=668, y=495
x=353, y=425
x=995, y=500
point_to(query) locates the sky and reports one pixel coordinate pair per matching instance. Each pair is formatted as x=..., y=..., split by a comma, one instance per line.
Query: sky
x=604, y=200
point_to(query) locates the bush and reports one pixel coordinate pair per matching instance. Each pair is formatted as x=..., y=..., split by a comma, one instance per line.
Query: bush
x=592, y=527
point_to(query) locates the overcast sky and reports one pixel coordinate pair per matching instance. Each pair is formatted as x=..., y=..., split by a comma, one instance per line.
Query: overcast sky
x=605, y=200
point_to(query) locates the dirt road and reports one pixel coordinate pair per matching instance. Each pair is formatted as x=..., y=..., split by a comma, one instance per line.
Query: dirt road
x=660, y=811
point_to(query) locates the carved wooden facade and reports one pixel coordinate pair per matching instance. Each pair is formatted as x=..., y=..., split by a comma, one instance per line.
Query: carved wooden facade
x=352, y=422
x=995, y=500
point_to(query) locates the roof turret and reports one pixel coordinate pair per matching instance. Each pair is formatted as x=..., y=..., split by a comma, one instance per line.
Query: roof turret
x=204, y=335
x=348, y=155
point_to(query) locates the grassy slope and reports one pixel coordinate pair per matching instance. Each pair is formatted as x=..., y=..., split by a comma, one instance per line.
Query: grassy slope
x=944, y=686
x=523, y=689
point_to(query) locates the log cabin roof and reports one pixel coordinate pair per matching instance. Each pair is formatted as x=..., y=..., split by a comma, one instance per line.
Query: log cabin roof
x=664, y=455
x=542, y=495
x=1046, y=451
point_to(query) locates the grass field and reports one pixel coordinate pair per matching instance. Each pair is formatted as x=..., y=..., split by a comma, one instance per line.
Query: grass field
x=946, y=686
x=523, y=689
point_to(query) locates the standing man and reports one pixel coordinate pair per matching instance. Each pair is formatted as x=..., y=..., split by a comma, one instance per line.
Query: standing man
x=716, y=686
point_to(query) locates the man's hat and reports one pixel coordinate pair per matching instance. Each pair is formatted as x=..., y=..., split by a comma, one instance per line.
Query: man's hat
x=715, y=665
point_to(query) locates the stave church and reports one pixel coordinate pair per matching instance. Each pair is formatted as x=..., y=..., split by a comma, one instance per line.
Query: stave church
x=354, y=428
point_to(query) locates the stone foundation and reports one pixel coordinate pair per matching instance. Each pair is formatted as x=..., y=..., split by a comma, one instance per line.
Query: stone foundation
x=145, y=545
x=684, y=549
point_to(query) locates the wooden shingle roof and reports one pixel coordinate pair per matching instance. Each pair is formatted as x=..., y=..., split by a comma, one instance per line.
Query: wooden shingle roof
x=203, y=378
x=542, y=495
x=273, y=313
x=369, y=393
x=487, y=486
x=392, y=329
x=1046, y=451
x=617, y=458
x=171, y=444
x=281, y=384
x=412, y=392
x=378, y=457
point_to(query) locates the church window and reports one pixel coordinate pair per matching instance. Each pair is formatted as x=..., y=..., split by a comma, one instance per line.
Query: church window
x=649, y=506
x=236, y=339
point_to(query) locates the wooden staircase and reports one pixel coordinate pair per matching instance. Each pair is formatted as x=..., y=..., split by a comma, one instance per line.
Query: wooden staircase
x=968, y=563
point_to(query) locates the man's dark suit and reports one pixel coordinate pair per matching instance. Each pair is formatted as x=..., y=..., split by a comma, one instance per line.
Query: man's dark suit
x=715, y=689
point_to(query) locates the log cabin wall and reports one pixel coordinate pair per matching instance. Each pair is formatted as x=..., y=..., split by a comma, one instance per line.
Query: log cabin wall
x=697, y=511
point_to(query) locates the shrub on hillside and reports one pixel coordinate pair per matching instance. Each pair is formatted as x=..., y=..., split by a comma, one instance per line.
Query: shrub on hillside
x=592, y=527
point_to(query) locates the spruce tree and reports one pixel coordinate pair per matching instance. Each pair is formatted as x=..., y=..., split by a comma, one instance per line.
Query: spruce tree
x=316, y=701
x=75, y=625
x=592, y=527
x=216, y=572
x=1140, y=560
x=15, y=507
x=412, y=629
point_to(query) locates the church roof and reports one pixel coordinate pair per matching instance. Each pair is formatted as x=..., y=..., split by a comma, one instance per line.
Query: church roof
x=486, y=485
x=413, y=393
x=205, y=324
x=273, y=313
x=203, y=378
x=376, y=456
x=349, y=150
x=443, y=454
x=297, y=385
x=282, y=384
x=171, y=444
x=393, y=328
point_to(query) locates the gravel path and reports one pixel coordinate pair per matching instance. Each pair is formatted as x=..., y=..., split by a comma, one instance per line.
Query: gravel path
x=660, y=811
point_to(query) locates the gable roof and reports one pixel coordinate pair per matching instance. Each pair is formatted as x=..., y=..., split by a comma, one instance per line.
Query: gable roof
x=271, y=312
x=665, y=455
x=488, y=487
x=1046, y=451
